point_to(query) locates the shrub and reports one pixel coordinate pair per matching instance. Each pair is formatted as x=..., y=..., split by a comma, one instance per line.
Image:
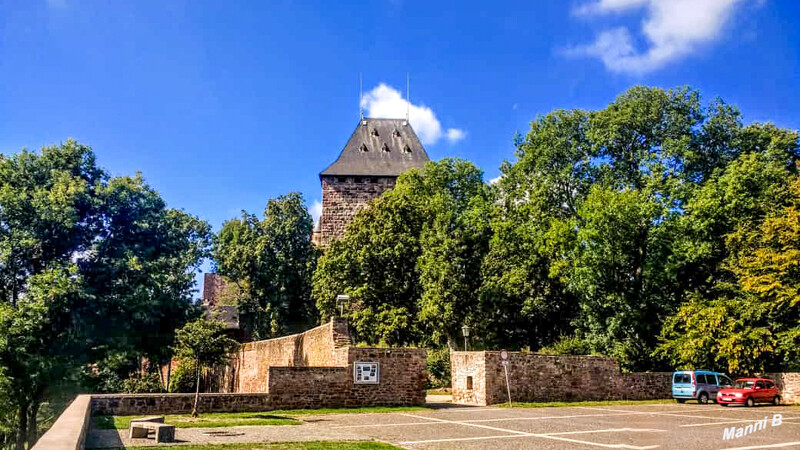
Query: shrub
x=438, y=365
x=567, y=345
x=183, y=377
x=142, y=384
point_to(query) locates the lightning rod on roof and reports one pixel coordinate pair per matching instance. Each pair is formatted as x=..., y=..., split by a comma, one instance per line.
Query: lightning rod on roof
x=360, y=96
x=408, y=96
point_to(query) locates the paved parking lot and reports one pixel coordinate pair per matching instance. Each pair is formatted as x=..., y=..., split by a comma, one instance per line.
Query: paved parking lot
x=688, y=426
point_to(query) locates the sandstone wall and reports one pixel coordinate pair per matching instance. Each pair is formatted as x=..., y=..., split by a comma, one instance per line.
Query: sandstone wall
x=149, y=404
x=544, y=378
x=319, y=347
x=645, y=385
x=468, y=368
x=789, y=384
x=402, y=377
x=402, y=383
x=342, y=197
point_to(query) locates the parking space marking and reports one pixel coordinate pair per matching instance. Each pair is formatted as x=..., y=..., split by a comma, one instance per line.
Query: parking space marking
x=610, y=430
x=516, y=434
x=705, y=424
x=784, y=444
x=673, y=414
x=545, y=436
x=497, y=419
x=467, y=424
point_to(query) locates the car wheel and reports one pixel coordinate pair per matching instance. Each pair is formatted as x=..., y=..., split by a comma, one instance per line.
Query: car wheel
x=703, y=398
x=749, y=401
x=776, y=401
x=680, y=400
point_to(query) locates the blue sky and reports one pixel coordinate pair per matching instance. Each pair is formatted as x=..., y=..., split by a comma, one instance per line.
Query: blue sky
x=223, y=105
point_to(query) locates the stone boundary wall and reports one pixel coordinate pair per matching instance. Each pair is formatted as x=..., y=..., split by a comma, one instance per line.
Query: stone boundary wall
x=69, y=430
x=149, y=404
x=789, y=384
x=545, y=378
x=402, y=383
x=316, y=347
x=646, y=385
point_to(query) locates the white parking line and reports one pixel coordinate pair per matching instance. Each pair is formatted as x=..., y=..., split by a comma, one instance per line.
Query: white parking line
x=670, y=414
x=516, y=434
x=784, y=444
x=501, y=419
x=467, y=424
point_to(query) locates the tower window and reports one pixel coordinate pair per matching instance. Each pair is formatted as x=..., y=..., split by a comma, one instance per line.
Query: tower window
x=406, y=149
x=385, y=147
x=396, y=133
x=375, y=132
x=364, y=148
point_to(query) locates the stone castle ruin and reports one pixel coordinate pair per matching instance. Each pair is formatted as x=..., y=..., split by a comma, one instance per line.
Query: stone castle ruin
x=376, y=154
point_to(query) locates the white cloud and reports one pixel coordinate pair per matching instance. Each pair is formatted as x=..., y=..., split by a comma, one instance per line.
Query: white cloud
x=316, y=211
x=386, y=102
x=672, y=28
x=496, y=179
x=454, y=135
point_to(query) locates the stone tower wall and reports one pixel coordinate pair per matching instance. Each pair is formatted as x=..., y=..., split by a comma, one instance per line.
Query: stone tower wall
x=342, y=197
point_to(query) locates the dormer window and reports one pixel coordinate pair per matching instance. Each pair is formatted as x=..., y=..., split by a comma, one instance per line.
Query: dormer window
x=406, y=149
x=396, y=133
x=364, y=148
x=375, y=132
x=385, y=147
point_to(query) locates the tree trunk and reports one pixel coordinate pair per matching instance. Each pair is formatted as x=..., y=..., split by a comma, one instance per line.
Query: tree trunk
x=196, y=392
x=22, y=427
x=33, y=431
x=169, y=373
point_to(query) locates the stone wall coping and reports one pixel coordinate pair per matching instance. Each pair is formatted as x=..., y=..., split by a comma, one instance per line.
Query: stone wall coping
x=250, y=345
x=541, y=355
x=69, y=430
x=182, y=394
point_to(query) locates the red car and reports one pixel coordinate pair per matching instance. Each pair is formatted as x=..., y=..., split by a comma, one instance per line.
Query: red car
x=749, y=391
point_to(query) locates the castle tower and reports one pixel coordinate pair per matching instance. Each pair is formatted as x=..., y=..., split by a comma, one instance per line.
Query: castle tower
x=376, y=154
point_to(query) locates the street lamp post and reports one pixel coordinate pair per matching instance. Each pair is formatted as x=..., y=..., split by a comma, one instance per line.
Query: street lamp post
x=465, y=332
x=340, y=301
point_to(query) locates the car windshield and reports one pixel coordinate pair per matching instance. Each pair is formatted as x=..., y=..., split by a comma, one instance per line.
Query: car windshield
x=744, y=384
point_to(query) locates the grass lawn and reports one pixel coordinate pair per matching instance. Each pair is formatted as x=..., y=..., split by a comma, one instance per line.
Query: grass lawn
x=289, y=446
x=599, y=403
x=215, y=420
x=438, y=392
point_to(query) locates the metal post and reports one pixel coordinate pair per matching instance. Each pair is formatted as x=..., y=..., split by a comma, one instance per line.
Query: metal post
x=508, y=387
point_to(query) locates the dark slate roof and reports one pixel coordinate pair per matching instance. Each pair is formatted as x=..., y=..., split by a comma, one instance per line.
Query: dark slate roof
x=379, y=147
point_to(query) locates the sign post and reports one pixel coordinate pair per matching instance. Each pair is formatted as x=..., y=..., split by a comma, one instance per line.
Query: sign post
x=504, y=360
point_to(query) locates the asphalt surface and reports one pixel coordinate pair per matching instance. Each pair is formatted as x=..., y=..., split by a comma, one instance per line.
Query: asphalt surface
x=687, y=426
x=642, y=426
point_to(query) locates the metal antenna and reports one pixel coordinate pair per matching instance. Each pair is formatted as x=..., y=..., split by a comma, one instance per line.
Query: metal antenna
x=408, y=96
x=360, y=96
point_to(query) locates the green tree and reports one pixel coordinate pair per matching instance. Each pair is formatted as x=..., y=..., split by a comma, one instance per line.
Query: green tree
x=589, y=235
x=204, y=342
x=750, y=319
x=411, y=260
x=271, y=262
x=90, y=266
